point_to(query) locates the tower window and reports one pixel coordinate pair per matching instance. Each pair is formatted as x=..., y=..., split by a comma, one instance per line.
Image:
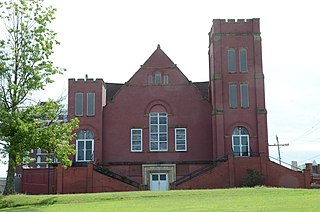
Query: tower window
x=231, y=60
x=243, y=60
x=240, y=141
x=84, y=145
x=233, y=95
x=79, y=104
x=90, y=104
x=244, y=95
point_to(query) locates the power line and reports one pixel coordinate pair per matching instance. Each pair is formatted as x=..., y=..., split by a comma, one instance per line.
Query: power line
x=309, y=131
x=278, y=145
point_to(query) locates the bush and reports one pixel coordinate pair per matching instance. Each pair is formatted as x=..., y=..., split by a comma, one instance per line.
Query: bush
x=253, y=178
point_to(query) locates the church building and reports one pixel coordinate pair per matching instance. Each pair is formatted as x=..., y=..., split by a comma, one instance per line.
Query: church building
x=161, y=131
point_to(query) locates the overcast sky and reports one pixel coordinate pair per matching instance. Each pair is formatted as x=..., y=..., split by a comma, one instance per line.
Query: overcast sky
x=111, y=39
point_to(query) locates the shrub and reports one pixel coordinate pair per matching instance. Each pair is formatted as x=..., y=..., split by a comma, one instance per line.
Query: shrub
x=253, y=178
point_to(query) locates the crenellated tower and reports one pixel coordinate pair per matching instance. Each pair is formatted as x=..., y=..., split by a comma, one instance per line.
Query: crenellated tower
x=239, y=116
x=86, y=100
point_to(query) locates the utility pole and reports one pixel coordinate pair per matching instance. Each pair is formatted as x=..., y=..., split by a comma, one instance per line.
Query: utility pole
x=279, y=145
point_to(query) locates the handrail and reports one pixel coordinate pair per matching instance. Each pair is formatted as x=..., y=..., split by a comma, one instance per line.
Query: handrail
x=290, y=165
x=198, y=171
x=116, y=176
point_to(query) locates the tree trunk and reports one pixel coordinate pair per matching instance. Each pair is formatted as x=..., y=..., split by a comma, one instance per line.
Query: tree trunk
x=9, y=189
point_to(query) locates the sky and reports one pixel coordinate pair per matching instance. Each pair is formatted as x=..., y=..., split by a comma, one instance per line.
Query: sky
x=111, y=39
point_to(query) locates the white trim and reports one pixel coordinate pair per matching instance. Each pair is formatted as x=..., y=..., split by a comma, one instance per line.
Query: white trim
x=136, y=129
x=157, y=115
x=185, y=139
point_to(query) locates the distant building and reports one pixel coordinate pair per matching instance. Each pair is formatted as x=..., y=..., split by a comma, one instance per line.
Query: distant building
x=161, y=131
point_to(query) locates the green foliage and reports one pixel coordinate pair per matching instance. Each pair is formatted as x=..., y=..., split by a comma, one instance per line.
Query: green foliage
x=236, y=199
x=25, y=66
x=253, y=178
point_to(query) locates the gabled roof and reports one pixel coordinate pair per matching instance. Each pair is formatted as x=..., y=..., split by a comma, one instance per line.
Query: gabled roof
x=158, y=59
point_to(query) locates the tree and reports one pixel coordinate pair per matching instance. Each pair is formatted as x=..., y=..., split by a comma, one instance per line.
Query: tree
x=25, y=67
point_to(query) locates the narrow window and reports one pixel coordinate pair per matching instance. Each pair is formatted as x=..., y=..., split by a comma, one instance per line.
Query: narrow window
x=233, y=95
x=158, y=78
x=79, y=104
x=244, y=95
x=165, y=79
x=243, y=60
x=84, y=146
x=231, y=60
x=240, y=142
x=158, y=131
x=90, y=104
x=150, y=80
x=181, y=139
x=136, y=140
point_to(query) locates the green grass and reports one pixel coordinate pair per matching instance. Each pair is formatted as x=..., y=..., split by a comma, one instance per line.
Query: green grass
x=239, y=199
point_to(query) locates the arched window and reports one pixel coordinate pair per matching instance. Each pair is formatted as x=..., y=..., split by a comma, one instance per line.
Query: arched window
x=240, y=141
x=84, y=145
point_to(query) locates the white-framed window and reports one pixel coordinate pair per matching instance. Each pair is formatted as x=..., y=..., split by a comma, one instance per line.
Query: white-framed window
x=158, y=127
x=79, y=104
x=240, y=142
x=38, y=159
x=244, y=95
x=136, y=140
x=181, y=139
x=84, y=145
x=165, y=79
x=231, y=60
x=157, y=78
x=38, y=151
x=90, y=104
x=233, y=95
x=243, y=60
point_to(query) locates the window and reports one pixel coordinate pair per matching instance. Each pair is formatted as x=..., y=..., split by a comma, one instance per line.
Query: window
x=231, y=60
x=243, y=60
x=240, y=142
x=90, y=104
x=158, y=131
x=84, y=146
x=233, y=95
x=181, y=139
x=244, y=95
x=136, y=140
x=158, y=78
x=150, y=80
x=38, y=159
x=79, y=104
x=165, y=79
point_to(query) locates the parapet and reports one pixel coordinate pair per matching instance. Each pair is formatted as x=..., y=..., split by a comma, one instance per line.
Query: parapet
x=86, y=80
x=235, y=26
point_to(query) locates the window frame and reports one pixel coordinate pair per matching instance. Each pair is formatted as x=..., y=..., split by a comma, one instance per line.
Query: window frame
x=77, y=95
x=158, y=133
x=141, y=139
x=93, y=104
x=85, y=139
x=241, y=136
x=157, y=78
x=176, y=139
x=165, y=79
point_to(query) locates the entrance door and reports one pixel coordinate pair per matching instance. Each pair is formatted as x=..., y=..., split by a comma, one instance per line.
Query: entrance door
x=158, y=182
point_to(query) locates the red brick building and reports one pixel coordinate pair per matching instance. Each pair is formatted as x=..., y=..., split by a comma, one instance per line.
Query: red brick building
x=161, y=131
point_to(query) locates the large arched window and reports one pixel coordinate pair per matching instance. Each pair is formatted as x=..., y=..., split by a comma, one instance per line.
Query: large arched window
x=240, y=142
x=84, y=146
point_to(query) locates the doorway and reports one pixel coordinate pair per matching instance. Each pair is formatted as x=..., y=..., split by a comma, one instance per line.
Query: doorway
x=159, y=182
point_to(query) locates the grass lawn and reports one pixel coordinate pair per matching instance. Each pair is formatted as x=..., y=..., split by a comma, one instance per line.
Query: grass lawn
x=238, y=199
